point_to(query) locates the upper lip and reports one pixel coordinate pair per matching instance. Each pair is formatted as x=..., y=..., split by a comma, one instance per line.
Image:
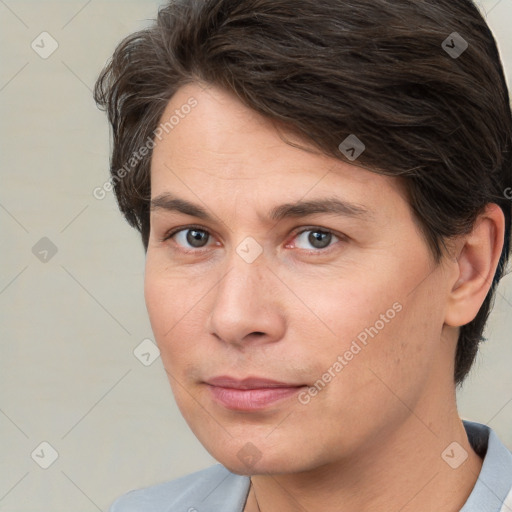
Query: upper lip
x=249, y=383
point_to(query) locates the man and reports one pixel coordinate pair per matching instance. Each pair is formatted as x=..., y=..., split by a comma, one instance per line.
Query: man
x=321, y=190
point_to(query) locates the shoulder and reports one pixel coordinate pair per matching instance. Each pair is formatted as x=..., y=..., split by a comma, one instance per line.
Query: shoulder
x=211, y=489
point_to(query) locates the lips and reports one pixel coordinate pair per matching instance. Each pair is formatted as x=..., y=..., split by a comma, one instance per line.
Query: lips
x=249, y=383
x=251, y=393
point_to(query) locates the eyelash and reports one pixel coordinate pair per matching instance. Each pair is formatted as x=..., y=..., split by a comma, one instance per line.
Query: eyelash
x=175, y=231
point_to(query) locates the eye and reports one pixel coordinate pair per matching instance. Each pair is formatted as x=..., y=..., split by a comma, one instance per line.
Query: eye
x=191, y=237
x=317, y=238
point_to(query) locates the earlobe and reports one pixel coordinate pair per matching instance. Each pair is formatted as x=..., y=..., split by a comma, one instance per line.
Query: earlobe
x=476, y=265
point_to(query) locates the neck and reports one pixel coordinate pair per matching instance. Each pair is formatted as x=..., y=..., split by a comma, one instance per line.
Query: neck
x=401, y=470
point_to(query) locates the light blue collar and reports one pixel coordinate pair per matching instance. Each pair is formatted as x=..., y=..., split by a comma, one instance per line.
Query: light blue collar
x=492, y=491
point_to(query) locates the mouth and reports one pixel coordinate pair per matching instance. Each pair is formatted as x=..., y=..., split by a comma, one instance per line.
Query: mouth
x=250, y=394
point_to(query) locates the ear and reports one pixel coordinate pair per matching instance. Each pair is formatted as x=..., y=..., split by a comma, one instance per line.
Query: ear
x=478, y=256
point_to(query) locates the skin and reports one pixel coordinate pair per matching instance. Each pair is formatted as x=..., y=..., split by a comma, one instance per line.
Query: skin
x=372, y=438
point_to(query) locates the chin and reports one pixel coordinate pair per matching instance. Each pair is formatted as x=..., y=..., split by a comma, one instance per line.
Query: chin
x=245, y=459
x=259, y=468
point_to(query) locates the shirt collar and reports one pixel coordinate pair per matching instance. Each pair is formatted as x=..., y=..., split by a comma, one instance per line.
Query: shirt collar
x=492, y=490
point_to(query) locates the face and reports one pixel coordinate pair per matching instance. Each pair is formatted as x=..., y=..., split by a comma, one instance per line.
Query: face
x=342, y=309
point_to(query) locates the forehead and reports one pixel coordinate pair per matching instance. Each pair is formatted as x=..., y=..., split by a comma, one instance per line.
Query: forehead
x=226, y=150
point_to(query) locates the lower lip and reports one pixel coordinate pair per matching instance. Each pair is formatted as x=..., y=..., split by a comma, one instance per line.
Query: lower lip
x=251, y=399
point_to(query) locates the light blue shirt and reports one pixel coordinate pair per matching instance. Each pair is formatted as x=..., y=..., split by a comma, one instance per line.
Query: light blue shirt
x=216, y=489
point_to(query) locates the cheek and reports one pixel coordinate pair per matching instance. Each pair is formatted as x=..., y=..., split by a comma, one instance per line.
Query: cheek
x=166, y=303
x=353, y=307
x=400, y=354
x=377, y=326
x=176, y=308
x=158, y=293
x=166, y=291
x=167, y=307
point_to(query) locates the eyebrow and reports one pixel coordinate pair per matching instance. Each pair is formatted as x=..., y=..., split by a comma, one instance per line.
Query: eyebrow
x=329, y=205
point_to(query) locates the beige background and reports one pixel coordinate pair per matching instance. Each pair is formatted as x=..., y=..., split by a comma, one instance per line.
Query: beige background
x=70, y=325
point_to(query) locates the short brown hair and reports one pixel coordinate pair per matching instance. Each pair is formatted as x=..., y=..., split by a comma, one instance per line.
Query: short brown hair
x=326, y=69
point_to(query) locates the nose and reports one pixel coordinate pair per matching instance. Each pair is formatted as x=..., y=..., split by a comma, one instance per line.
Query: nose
x=246, y=307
